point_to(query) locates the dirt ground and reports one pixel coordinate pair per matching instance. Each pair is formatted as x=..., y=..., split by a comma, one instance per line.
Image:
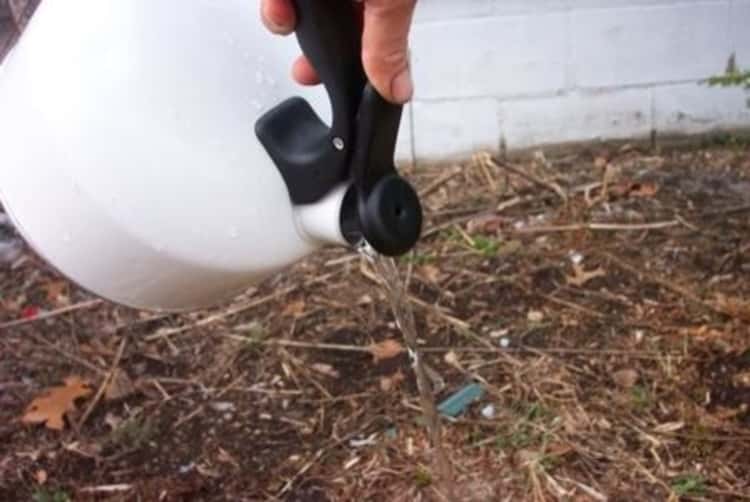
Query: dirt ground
x=600, y=298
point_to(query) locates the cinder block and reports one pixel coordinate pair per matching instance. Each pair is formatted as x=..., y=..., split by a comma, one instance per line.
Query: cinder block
x=318, y=98
x=404, y=143
x=513, y=7
x=501, y=56
x=740, y=31
x=452, y=128
x=576, y=117
x=641, y=45
x=608, y=4
x=693, y=108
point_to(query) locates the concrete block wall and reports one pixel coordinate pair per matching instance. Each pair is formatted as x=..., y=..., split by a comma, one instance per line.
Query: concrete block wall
x=512, y=74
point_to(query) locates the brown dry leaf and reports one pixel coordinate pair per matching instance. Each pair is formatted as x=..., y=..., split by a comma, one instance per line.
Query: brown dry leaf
x=54, y=290
x=643, y=190
x=119, y=386
x=50, y=407
x=430, y=273
x=385, y=350
x=702, y=332
x=294, y=309
x=625, y=378
x=388, y=383
x=733, y=306
x=581, y=276
x=40, y=476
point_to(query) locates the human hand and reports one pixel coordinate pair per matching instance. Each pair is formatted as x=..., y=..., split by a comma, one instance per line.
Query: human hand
x=385, y=41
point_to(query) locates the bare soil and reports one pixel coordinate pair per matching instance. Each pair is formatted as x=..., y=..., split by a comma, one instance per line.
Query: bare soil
x=600, y=297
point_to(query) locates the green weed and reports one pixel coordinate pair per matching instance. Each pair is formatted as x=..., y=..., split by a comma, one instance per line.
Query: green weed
x=691, y=485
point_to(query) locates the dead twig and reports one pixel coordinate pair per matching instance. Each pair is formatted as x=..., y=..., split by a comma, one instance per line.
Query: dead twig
x=635, y=354
x=685, y=293
x=727, y=210
x=52, y=313
x=166, y=333
x=299, y=344
x=105, y=382
x=72, y=357
x=440, y=181
x=548, y=185
x=610, y=227
x=189, y=416
x=124, y=487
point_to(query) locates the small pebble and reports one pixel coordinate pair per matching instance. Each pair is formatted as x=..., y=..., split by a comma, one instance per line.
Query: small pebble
x=488, y=411
x=505, y=342
x=576, y=257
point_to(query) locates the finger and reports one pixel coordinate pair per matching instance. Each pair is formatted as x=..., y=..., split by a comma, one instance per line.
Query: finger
x=304, y=73
x=385, y=42
x=278, y=16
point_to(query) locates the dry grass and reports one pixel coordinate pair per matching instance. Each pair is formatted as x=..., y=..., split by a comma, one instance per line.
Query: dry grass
x=601, y=298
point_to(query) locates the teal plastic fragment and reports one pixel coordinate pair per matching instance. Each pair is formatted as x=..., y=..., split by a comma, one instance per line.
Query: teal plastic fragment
x=457, y=403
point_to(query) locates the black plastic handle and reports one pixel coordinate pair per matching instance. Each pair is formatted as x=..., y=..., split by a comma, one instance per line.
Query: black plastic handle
x=311, y=156
x=330, y=37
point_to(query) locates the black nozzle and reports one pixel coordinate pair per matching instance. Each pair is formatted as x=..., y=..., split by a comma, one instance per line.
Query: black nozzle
x=391, y=216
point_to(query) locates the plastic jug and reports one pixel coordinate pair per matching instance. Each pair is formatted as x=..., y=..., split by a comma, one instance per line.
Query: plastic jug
x=154, y=152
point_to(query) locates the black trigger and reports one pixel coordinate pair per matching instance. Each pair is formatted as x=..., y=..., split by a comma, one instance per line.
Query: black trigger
x=301, y=146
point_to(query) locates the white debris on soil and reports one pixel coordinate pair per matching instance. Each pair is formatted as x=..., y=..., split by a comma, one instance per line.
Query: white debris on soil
x=488, y=411
x=575, y=257
x=222, y=406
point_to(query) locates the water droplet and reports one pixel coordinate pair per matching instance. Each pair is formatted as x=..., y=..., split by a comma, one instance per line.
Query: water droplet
x=233, y=233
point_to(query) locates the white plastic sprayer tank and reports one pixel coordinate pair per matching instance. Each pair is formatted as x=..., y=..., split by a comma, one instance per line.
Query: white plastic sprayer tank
x=128, y=150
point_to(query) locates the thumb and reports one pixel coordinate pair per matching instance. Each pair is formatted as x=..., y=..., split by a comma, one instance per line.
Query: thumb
x=385, y=43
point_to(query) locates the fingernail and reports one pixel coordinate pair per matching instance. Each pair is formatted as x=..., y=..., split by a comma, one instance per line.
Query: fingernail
x=274, y=25
x=278, y=28
x=402, y=87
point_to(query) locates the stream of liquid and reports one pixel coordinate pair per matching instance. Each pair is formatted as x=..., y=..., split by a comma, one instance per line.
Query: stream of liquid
x=403, y=313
